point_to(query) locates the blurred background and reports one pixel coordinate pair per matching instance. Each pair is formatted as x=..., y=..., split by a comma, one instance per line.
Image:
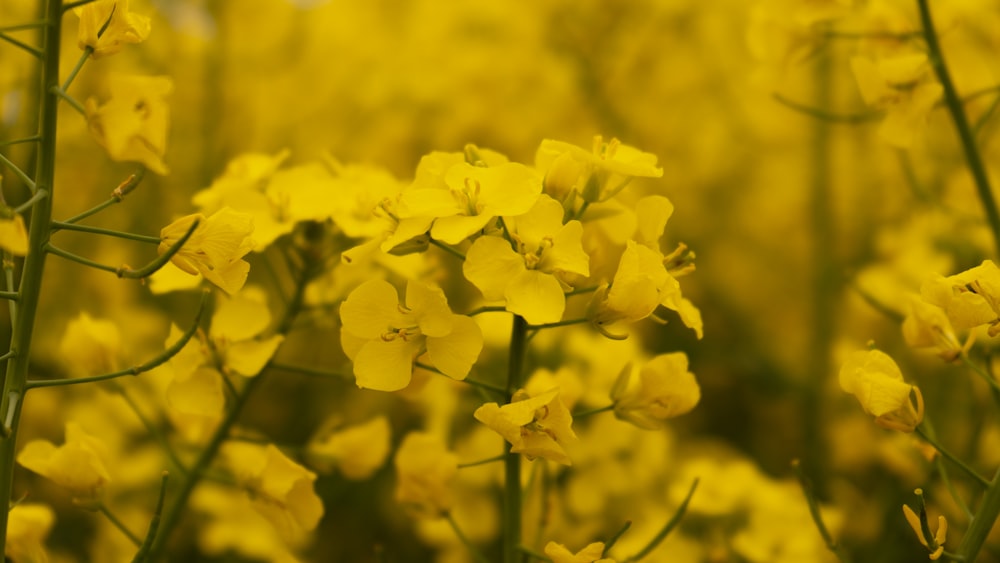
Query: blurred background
x=809, y=232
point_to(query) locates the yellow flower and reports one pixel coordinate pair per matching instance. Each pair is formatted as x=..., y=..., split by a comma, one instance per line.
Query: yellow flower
x=27, y=528
x=666, y=389
x=123, y=28
x=280, y=489
x=132, y=125
x=13, y=234
x=590, y=554
x=535, y=426
x=80, y=464
x=358, y=451
x=970, y=298
x=464, y=198
x=215, y=249
x=927, y=326
x=384, y=338
x=875, y=380
x=90, y=346
x=902, y=86
x=531, y=279
x=424, y=471
x=596, y=175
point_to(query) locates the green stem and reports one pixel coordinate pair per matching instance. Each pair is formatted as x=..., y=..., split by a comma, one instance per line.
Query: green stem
x=38, y=196
x=119, y=524
x=558, y=324
x=448, y=249
x=22, y=26
x=60, y=226
x=34, y=264
x=69, y=6
x=486, y=309
x=614, y=539
x=67, y=255
x=159, y=360
x=19, y=173
x=71, y=101
x=117, y=196
x=669, y=527
x=154, y=524
x=310, y=371
x=512, y=461
x=12, y=295
x=32, y=139
x=951, y=457
x=500, y=457
x=957, y=111
x=982, y=522
x=153, y=430
x=825, y=115
x=814, y=512
x=76, y=68
x=36, y=52
x=594, y=411
x=979, y=371
x=173, y=512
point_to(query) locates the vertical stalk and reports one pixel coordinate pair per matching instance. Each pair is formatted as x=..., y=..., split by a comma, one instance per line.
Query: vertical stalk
x=823, y=275
x=982, y=522
x=34, y=263
x=512, y=461
x=965, y=134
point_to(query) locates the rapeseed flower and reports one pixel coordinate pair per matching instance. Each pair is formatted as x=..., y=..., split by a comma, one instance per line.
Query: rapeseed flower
x=876, y=381
x=425, y=470
x=539, y=426
x=123, y=27
x=215, y=249
x=80, y=464
x=132, y=125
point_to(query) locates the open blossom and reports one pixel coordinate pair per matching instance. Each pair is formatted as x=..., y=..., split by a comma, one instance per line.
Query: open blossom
x=384, y=338
x=357, y=451
x=539, y=426
x=132, y=125
x=595, y=175
x=123, y=27
x=532, y=278
x=215, y=249
x=463, y=198
x=27, y=528
x=876, y=381
x=969, y=299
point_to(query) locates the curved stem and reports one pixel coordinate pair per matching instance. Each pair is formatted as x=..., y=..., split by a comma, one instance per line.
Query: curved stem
x=500, y=457
x=154, y=523
x=159, y=360
x=558, y=324
x=117, y=196
x=957, y=111
x=593, y=411
x=103, y=509
x=73, y=102
x=465, y=539
x=19, y=173
x=826, y=115
x=34, y=51
x=448, y=249
x=670, y=525
x=38, y=196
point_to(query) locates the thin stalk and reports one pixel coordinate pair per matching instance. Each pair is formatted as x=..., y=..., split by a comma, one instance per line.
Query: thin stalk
x=34, y=264
x=154, y=524
x=958, y=118
x=951, y=457
x=817, y=516
x=512, y=461
x=61, y=226
x=38, y=196
x=594, y=411
x=21, y=26
x=500, y=457
x=558, y=324
x=73, y=102
x=32, y=139
x=448, y=249
x=76, y=68
x=825, y=115
x=119, y=524
x=12, y=295
x=667, y=528
x=153, y=430
x=309, y=371
x=34, y=51
x=117, y=196
x=21, y=174
x=465, y=539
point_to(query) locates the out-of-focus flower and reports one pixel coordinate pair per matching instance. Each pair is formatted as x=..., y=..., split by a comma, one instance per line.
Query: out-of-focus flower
x=215, y=249
x=902, y=86
x=123, y=27
x=357, y=451
x=424, y=471
x=970, y=298
x=595, y=175
x=132, y=125
x=875, y=380
x=90, y=346
x=280, y=489
x=384, y=338
x=80, y=464
x=13, y=234
x=590, y=554
x=535, y=426
x=27, y=527
x=666, y=389
x=927, y=326
x=532, y=278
